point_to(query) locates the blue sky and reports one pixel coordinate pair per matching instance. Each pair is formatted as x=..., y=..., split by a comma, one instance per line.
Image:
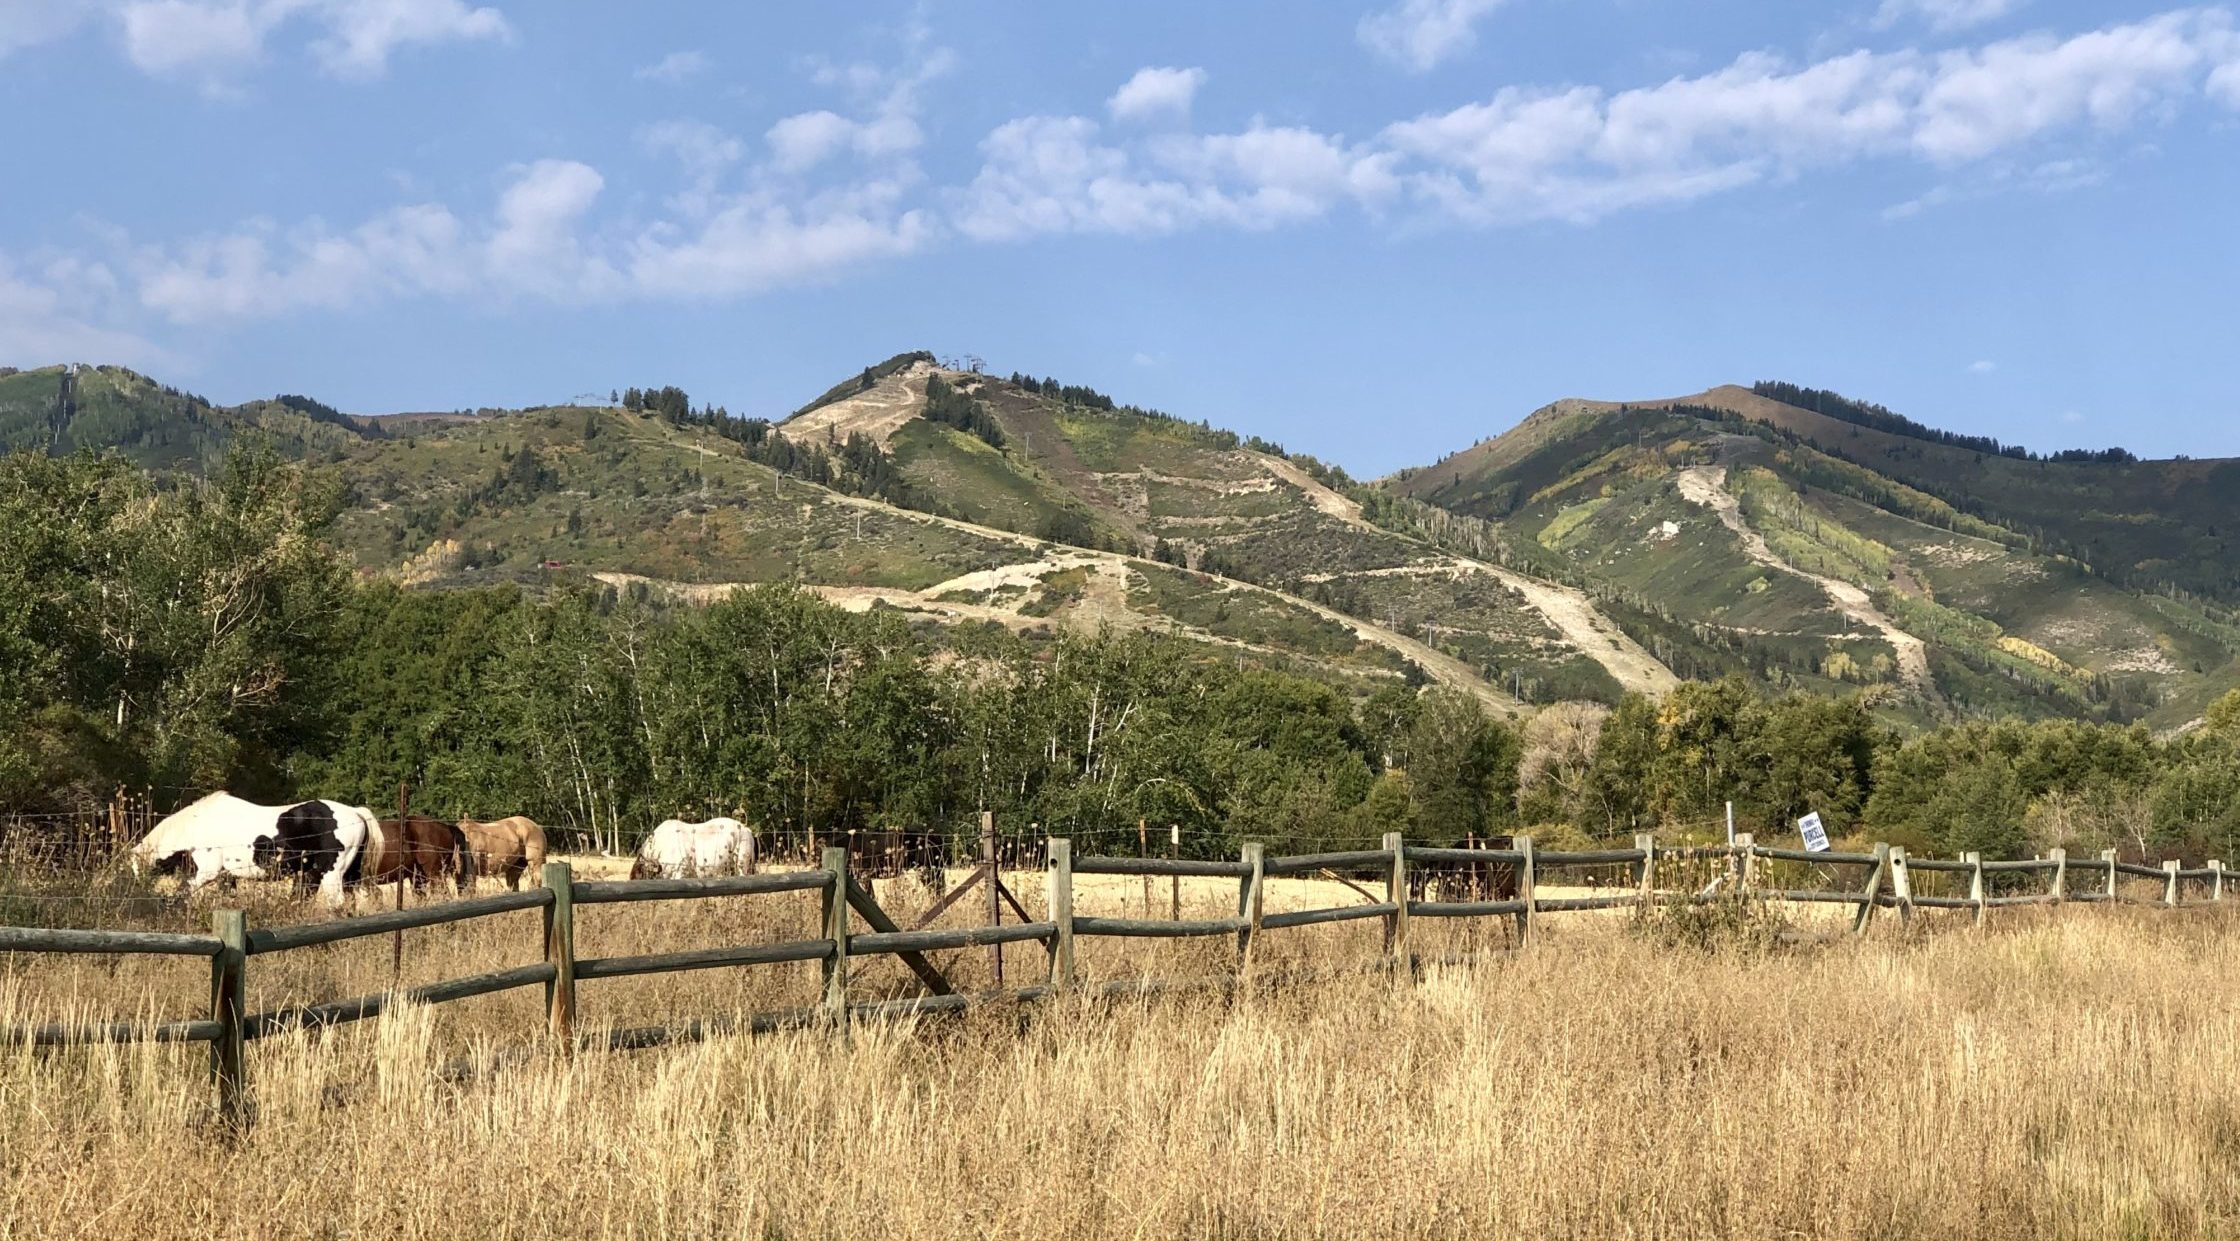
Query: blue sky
x=1375, y=230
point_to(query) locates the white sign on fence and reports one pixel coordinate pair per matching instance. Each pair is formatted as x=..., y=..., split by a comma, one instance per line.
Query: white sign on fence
x=1815, y=836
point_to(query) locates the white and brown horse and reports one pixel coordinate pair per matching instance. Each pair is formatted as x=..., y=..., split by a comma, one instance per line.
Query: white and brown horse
x=677, y=849
x=505, y=848
x=223, y=836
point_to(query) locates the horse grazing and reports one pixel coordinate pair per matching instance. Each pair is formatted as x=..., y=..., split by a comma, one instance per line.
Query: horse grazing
x=223, y=836
x=677, y=849
x=416, y=848
x=1467, y=881
x=505, y=848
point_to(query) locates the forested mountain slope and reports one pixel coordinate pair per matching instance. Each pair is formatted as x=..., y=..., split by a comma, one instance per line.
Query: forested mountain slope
x=1793, y=537
x=64, y=408
x=1966, y=575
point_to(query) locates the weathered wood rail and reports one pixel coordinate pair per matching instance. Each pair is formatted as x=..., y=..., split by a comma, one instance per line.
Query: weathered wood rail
x=229, y=1028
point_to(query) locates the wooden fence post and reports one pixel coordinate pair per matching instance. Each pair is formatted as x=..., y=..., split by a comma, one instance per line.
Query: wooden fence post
x=1876, y=876
x=1975, y=883
x=1249, y=901
x=1745, y=861
x=2109, y=856
x=1143, y=849
x=2216, y=880
x=1527, y=883
x=1901, y=886
x=1648, y=846
x=560, y=952
x=2170, y=883
x=1396, y=893
x=2060, y=888
x=228, y=1003
x=1061, y=912
x=836, y=930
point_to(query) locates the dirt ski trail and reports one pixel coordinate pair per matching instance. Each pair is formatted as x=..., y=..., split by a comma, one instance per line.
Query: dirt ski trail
x=1569, y=611
x=1706, y=485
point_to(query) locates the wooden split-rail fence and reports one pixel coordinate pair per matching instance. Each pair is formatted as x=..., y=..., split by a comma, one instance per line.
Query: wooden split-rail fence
x=1741, y=873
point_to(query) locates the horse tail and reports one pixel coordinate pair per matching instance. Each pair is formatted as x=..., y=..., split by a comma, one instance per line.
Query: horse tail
x=460, y=859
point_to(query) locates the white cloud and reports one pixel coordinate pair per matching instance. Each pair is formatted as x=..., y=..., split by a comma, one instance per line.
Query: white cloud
x=532, y=246
x=2071, y=418
x=1982, y=366
x=807, y=139
x=1057, y=174
x=673, y=68
x=1156, y=92
x=209, y=41
x=891, y=98
x=1944, y=15
x=48, y=316
x=701, y=148
x=362, y=33
x=1979, y=101
x=166, y=37
x=758, y=243
x=29, y=23
x=1419, y=34
x=831, y=189
x=1580, y=154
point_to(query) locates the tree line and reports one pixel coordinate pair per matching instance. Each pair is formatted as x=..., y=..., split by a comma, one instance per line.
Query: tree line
x=192, y=635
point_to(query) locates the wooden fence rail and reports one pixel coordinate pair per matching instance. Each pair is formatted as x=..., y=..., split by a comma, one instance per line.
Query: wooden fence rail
x=229, y=1028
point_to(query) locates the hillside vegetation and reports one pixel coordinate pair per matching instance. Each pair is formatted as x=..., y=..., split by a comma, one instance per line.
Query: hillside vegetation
x=1739, y=533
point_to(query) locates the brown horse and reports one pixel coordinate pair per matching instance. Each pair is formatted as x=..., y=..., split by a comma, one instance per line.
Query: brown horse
x=415, y=848
x=506, y=848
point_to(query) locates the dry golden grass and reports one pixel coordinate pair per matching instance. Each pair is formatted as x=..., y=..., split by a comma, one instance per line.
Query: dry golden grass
x=2067, y=1073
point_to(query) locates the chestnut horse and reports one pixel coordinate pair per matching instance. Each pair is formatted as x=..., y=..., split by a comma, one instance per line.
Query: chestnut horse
x=416, y=848
x=508, y=848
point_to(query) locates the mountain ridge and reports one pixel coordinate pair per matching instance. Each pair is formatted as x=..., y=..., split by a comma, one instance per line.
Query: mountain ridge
x=1591, y=549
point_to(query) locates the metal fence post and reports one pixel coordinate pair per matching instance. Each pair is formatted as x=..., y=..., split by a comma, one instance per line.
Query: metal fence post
x=560, y=951
x=228, y=1002
x=2170, y=883
x=1527, y=882
x=1061, y=911
x=836, y=930
x=989, y=859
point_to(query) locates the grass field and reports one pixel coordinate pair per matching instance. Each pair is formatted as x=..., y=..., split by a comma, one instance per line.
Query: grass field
x=2066, y=1073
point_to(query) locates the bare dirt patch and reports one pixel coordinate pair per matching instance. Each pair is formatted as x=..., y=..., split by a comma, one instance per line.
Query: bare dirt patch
x=1706, y=485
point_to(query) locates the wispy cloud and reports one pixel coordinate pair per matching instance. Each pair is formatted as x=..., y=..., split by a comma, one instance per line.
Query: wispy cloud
x=1944, y=15
x=1982, y=366
x=673, y=68
x=1418, y=35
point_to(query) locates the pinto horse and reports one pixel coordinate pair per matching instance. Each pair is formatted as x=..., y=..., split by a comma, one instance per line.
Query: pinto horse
x=506, y=848
x=416, y=848
x=223, y=836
